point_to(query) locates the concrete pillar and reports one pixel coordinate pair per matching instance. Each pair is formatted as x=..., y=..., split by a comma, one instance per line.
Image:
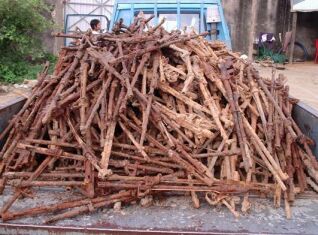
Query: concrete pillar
x=58, y=17
x=253, y=22
x=292, y=43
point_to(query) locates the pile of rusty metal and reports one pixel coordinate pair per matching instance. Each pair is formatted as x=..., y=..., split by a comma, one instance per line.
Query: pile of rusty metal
x=135, y=113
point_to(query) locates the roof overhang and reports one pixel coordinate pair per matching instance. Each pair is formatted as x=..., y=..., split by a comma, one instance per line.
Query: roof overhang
x=304, y=5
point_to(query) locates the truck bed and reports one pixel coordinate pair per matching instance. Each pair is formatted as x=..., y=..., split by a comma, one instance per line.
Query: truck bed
x=170, y=215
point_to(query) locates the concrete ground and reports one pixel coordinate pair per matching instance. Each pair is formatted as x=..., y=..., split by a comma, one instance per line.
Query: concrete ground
x=302, y=80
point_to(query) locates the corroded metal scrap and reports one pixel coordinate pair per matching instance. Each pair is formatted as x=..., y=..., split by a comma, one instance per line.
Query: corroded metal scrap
x=141, y=111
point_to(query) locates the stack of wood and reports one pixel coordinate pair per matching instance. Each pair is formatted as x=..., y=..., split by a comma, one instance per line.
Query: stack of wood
x=140, y=112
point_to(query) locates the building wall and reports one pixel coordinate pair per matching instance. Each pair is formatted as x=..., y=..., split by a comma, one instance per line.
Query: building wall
x=248, y=18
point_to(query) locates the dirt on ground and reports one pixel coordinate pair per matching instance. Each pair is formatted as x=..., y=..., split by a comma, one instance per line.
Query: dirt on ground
x=302, y=80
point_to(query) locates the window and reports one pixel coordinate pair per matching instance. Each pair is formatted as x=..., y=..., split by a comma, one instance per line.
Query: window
x=147, y=14
x=190, y=21
x=171, y=21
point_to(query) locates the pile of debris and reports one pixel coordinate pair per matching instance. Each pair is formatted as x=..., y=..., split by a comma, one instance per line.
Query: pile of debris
x=135, y=113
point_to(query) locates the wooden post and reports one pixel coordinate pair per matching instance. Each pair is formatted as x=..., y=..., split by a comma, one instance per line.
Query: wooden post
x=293, y=39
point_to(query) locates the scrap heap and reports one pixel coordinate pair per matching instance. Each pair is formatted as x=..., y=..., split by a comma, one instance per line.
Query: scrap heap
x=135, y=113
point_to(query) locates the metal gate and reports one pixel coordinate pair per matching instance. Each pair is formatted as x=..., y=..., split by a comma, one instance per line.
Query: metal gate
x=79, y=13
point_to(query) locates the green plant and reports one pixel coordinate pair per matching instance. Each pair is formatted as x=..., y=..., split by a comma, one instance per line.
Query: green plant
x=34, y=69
x=15, y=72
x=21, y=23
x=265, y=54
